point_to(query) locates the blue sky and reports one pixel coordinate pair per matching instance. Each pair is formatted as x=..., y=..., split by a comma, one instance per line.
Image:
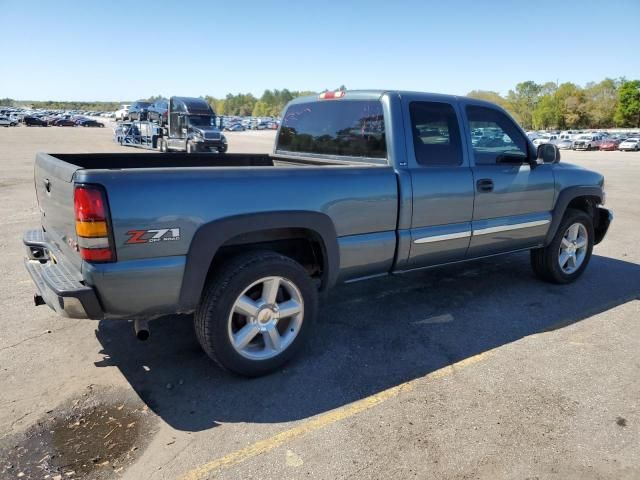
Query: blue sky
x=124, y=50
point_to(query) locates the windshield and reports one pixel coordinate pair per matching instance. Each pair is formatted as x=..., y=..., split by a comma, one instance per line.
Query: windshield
x=202, y=120
x=584, y=137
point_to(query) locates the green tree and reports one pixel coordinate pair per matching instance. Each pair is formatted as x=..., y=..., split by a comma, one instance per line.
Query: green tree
x=602, y=101
x=154, y=98
x=261, y=109
x=522, y=101
x=547, y=112
x=572, y=106
x=489, y=96
x=628, y=110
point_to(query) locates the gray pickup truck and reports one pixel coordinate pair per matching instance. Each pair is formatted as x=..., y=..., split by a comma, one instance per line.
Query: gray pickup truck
x=360, y=184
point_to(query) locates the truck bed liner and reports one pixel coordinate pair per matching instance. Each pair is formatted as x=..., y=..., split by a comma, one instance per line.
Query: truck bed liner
x=154, y=160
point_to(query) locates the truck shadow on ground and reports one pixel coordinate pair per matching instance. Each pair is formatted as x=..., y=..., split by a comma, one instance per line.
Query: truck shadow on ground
x=370, y=336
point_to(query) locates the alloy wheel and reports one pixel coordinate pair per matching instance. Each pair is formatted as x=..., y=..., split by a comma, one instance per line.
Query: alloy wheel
x=266, y=318
x=573, y=248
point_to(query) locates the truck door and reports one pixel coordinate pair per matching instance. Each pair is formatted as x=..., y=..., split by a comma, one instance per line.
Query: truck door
x=512, y=201
x=441, y=180
x=177, y=121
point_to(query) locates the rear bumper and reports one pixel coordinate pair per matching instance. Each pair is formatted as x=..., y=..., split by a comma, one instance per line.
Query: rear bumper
x=57, y=282
x=603, y=219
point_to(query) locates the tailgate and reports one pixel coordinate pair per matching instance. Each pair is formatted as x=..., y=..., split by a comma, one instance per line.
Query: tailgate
x=54, y=189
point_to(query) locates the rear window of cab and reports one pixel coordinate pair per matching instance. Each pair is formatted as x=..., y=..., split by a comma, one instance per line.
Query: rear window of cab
x=351, y=128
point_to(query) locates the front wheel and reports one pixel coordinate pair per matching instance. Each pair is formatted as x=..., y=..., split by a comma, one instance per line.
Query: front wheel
x=568, y=254
x=256, y=313
x=222, y=149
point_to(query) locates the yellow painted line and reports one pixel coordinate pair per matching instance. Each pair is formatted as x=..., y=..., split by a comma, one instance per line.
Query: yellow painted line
x=321, y=421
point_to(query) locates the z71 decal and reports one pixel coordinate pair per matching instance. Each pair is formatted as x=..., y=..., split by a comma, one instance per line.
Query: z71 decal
x=153, y=235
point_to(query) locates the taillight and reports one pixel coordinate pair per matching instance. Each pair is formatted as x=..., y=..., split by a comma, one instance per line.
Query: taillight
x=92, y=227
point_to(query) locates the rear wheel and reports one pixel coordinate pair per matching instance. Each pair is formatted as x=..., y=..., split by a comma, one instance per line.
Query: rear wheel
x=568, y=254
x=256, y=313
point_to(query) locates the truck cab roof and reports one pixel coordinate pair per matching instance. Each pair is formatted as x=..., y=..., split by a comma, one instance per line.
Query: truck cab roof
x=192, y=106
x=378, y=94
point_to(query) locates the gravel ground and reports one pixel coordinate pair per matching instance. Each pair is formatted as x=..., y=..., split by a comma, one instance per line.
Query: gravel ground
x=543, y=382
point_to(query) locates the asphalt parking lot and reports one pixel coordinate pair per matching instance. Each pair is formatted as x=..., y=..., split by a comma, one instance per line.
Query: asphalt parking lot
x=471, y=371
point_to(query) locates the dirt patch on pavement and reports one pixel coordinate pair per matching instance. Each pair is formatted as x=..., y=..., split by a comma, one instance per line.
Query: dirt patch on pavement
x=94, y=436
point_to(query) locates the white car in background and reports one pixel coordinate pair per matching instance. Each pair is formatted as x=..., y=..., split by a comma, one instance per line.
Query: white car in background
x=587, y=142
x=545, y=139
x=565, y=144
x=630, y=144
x=7, y=122
x=123, y=113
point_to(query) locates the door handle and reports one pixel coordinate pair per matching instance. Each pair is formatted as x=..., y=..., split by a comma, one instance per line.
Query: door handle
x=484, y=185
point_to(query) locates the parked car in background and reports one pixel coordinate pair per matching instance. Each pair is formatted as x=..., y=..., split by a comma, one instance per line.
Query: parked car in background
x=30, y=121
x=123, y=113
x=609, y=144
x=587, y=142
x=139, y=110
x=64, y=122
x=565, y=144
x=7, y=122
x=545, y=139
x=236, y=127
x=159, y=112
x=88, y=122
x=630, y=144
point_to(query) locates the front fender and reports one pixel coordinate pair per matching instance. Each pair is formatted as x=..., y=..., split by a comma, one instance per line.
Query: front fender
x=564, y=199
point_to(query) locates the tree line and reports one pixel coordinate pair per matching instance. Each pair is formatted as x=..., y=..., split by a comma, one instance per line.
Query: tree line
x=606, y=104
x=270, y=104
x=60, y=105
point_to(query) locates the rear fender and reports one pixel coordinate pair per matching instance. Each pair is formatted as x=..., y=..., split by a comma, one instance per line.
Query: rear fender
x=211, y=236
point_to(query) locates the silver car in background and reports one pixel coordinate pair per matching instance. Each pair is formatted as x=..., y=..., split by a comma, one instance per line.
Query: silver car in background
x=630, y=144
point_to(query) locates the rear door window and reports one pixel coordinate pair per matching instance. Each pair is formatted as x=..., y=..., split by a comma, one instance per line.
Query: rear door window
x=436, y=134
x=351, y=128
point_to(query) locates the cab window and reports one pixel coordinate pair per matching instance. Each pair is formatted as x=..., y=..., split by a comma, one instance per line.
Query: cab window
x=353, y=128
x=494, y=136
x=436, y=134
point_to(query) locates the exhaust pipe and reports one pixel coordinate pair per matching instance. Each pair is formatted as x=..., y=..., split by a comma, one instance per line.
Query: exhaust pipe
x=141, y=327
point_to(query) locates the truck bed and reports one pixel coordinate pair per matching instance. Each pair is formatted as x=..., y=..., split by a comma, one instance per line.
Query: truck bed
x=108, y=161
x=185, y=192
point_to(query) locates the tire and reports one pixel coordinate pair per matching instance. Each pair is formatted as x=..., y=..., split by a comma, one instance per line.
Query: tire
x=216, y=318
x=546, y=261
x=222, y=149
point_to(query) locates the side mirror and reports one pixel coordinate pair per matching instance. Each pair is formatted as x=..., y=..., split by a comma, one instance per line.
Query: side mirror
x=548, y=153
